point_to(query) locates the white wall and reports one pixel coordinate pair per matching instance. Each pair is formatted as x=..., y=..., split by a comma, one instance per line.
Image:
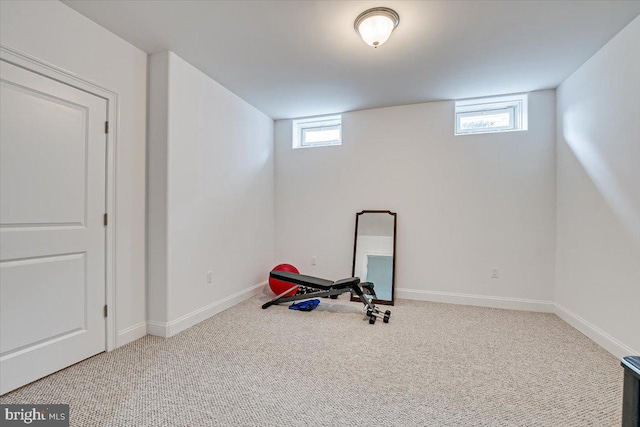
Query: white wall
x=157, y=188
x=598, y=207
x=56, y=34
x=465, y=204
x=219, y=195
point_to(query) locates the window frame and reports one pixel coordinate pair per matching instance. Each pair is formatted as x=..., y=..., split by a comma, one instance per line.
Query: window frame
x=515, y=105
x=319, y=123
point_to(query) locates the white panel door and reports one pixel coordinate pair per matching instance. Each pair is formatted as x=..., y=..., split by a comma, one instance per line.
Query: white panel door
x=52, y=235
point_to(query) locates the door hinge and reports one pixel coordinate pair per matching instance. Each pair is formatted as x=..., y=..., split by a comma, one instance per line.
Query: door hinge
x=105, y=311
x=106, y=219
x=106, y=127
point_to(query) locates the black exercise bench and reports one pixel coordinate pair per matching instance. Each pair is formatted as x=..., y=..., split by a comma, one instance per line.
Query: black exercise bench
x=309, y=287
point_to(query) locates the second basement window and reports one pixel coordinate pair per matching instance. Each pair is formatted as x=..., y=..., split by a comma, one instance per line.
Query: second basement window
x=317, y=131
x=488, y=115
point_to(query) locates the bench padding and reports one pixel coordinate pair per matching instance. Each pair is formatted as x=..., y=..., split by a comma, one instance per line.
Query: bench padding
x=313, y=282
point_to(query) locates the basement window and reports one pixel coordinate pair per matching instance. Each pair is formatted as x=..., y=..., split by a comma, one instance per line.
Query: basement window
x=317, y=131
x=489, y=115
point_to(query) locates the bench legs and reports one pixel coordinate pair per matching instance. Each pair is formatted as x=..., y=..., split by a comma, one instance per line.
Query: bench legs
x=372, y=311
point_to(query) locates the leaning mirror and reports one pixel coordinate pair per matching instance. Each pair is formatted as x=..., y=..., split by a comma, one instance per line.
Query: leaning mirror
x=374, y=253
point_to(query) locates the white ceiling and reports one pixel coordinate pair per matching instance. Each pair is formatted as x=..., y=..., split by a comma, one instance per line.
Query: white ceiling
x=302, y=58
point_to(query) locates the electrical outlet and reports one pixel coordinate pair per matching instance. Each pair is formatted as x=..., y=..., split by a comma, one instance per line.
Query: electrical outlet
x=209, y=276
x=314, y=259
x=494, y=273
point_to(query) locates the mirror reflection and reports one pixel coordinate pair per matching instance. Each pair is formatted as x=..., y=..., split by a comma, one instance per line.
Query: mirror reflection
x=374, y=251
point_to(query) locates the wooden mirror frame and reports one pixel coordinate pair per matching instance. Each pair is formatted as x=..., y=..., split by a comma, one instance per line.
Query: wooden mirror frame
x=393, y=273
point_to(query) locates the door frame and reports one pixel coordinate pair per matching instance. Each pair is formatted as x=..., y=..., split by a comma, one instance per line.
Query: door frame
x=45, y=69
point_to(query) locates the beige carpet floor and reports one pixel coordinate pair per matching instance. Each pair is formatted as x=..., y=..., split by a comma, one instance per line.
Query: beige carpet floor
x=432, y=365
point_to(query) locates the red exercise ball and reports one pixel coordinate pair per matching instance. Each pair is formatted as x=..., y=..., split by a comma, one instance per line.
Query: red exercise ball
x=278, y=286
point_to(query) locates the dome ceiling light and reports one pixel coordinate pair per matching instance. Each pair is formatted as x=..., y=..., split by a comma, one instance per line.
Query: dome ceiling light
x=375, y=25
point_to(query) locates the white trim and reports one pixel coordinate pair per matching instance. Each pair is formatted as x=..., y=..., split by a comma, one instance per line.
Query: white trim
x=301, y=125
x=594, y=333
x=156, y=328
x=113, y=115
x=132, y=333
x=168, y=329
x=541, y=306
x=518, y=114
x=591, y=331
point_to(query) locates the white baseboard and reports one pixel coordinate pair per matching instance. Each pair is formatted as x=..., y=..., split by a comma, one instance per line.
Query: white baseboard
x=131, y=333
x=594, y=333
x=158, y=329
x=478, y=300
x=173, y=327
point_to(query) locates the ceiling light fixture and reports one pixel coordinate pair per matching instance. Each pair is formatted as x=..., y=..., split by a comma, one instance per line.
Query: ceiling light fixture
x=375, y=25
